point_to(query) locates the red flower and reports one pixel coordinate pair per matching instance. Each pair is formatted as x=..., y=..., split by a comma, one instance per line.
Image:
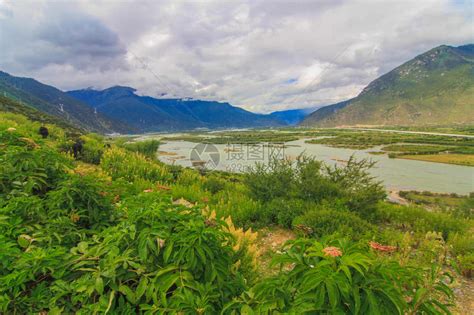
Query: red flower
x=332, y=251
x=382, y=248
x=162, y=187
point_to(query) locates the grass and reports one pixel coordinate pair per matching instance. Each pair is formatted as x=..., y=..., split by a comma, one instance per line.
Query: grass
x=457, y=159
x=434, y=200
x=416, y=148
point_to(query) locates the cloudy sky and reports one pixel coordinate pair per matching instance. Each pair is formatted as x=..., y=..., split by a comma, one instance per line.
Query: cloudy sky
x=261, y=55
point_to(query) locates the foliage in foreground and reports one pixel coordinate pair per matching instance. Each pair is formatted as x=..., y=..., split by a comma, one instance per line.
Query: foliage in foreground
x=118, y=238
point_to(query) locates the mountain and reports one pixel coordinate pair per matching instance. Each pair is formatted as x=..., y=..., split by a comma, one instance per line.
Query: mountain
x=151, y=114
x=292, y=117
x=434, y=88
x=53, y=101
x=12, y=106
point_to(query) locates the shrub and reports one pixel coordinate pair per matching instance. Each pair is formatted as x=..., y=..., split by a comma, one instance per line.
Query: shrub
x=325, y=279
x=282, y=212
x=322, y=222
x=420, y=220
x=119, y=163
x=92, y=149
x=26, y=171
x=360, y=189
x=273, y=181
x=83, y=199
x=462, y=248
x=148, y=148
x=213, y=184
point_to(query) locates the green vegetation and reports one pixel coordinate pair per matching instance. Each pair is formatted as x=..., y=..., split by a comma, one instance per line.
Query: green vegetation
x=244, y=137
x=460, y=205
x=109, y=229
x=148, y=148
x=458, y=159
x=360, y=139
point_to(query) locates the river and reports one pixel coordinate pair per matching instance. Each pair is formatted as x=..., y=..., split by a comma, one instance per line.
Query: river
x=396, y=174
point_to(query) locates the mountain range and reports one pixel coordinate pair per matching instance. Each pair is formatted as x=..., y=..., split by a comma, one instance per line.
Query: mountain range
x=52, y=101
x=151, y=114
x=434, y=88
x=120, y=110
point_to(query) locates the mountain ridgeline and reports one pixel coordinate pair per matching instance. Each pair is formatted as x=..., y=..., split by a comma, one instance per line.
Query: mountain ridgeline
x=52, y=101
x=151, y=114
x=434, y=88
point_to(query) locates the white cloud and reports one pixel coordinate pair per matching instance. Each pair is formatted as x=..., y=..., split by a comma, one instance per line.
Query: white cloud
x=262, y=55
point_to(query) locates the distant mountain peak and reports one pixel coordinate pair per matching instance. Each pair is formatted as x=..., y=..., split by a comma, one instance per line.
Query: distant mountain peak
x=435, y=87
x=169, y=114
x=119, y=91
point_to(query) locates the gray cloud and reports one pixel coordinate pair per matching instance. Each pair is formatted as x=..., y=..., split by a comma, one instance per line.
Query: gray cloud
x=262, y=55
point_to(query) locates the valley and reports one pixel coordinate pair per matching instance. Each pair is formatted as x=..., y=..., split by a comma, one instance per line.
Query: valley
x=251, y=157
x=397, y=166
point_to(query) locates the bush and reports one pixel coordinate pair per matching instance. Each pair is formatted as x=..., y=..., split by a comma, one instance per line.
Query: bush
x=273, y=181
x=213, y=184
x=83, y=199
x=462, y=248
x=325, y=279
x=420, y=220
x=148, y=148
x=282, y=212
x=119, y=163
x=92, y=149
x=313, y=182
x=322, y=222
x=26, y=171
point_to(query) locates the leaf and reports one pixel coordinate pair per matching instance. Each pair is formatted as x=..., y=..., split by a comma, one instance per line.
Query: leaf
x=82, y=247
x=167, y=251
x=24, y=240
x=141, y=288
x=129, y=294
x=99, y=285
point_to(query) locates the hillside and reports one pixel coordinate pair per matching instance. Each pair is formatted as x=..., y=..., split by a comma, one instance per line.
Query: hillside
x=292, y=116
x=12, y=106
x=150, y=114
x=434, y=88
x=53, y=101
x=109, y=229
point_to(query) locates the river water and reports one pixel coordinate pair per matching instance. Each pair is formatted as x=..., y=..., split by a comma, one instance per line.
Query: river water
x=396, y=174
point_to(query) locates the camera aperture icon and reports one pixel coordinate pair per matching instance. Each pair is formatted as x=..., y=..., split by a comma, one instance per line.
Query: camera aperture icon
x=205, y=155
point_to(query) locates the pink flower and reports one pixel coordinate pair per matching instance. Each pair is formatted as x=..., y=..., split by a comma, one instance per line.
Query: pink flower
x=382, y=248
x=332, y=251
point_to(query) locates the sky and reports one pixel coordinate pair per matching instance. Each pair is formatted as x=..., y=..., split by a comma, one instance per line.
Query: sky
x=260, y=55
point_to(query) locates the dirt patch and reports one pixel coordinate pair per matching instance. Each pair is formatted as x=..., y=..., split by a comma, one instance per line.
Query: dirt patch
x=464, y=295
x=394, y=196
x=269, y=242
x=164, y=153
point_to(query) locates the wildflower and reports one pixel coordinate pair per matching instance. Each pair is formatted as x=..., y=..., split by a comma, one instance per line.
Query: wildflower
x=75, y=217
x=382, y=248
x=162, y=187
x=116, y=198
x=210, y=222
x=332, y=251
x=148, y=190
x=161, y=242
